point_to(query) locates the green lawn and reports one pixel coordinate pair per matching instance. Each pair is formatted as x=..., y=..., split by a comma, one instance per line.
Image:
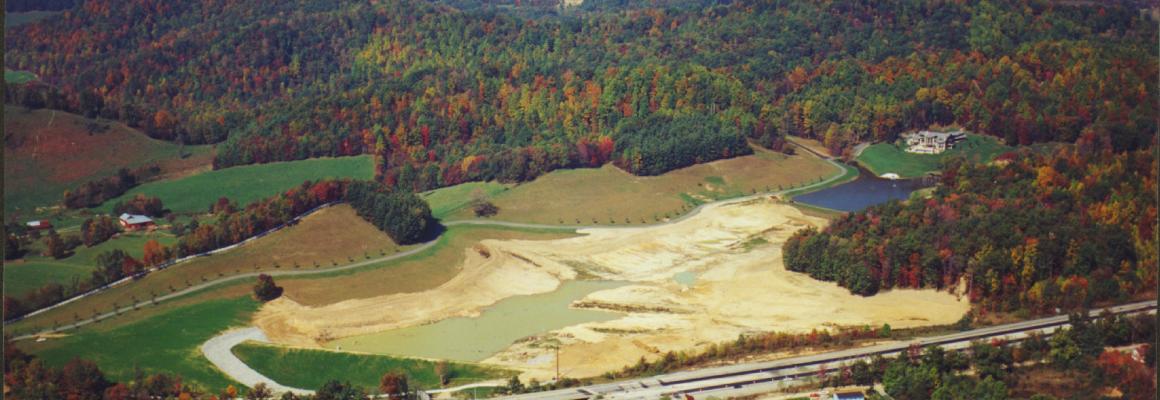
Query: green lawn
x=20, y=279
x=448, y=200
x=608, y=195
x=18, y=77
x=310, y=369
x=167, y=342
x=884, y=158
x=14, y=19
x=246, y=184
x=849, y=173
x=36, y=270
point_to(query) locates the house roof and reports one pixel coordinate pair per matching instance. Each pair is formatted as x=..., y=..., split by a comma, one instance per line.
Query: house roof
x=135, y=219
x=941, y=135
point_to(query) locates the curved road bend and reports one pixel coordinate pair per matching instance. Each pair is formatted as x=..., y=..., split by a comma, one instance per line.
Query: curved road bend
x=425, y=246
x=219, y=351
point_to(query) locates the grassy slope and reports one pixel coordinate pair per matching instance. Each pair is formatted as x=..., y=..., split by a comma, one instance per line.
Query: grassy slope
x=608, y=194
x=37, y=270
x=246, y=184
x=18, y=77
x=168, y=342
x=12, y=19
x=447, y=201
x=882, y=158
x=306, y=368
x=425, y=270
x=335, y=234
x=48, y=152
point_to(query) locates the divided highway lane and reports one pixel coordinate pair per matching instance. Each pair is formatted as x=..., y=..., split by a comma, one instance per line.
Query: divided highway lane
x=740, y=375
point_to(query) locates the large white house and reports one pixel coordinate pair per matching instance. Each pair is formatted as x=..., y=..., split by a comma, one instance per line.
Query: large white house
x=928, y=142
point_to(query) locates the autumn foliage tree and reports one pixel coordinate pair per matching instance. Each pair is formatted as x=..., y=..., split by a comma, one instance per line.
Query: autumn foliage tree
x=1118, y=369
x=1017, y=232
x=265, y=289
x=510, y=96
x=394, y=385
x=154, y=253
x=98, y=229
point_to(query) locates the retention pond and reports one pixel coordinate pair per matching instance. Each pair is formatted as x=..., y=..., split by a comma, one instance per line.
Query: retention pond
x=865, y=191
x=496, y=328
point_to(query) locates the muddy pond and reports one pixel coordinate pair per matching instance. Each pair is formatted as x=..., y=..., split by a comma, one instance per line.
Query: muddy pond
x=496, y=328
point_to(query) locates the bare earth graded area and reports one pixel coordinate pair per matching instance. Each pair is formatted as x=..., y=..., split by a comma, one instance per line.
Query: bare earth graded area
x=610, y=196
x=740, y=286
x=47, y=152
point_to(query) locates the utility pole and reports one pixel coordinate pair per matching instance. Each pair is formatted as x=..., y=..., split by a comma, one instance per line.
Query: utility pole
x=557, y=364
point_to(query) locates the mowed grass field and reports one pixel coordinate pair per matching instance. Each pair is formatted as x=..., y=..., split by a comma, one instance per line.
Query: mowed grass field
x=310, y=369
x=249, y=183
x=884, y=158
x=17, y=77
x=449, y=200
x=35, y=270
x=333, y=234
x=610, y=196
x=47, y=152
x=27, y=17
x=168, y=341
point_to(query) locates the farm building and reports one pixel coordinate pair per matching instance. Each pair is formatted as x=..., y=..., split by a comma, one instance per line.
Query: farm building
x=928, y=142
x=133, y=222
x=39, y=224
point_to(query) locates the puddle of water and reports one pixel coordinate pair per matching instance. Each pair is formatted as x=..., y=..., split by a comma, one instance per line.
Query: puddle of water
x=496, y=328
x=687, y=278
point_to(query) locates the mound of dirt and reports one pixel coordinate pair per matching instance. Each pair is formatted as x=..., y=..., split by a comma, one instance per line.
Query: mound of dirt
x=741, y=286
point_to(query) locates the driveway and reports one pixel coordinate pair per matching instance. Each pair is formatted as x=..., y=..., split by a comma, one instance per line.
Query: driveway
x=218, y=351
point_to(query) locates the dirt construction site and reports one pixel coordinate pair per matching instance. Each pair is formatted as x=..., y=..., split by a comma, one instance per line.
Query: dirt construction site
x=732, y=249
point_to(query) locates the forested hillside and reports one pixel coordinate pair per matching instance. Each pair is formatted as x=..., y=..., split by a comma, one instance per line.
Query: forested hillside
x=1028, y=231
x=445, y=95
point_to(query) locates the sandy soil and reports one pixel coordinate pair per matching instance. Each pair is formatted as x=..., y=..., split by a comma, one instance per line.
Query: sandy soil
x=742, y=287
x=491, y=272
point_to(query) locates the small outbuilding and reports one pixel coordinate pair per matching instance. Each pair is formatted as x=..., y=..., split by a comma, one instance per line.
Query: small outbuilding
x=39, y=224
x=135, y=222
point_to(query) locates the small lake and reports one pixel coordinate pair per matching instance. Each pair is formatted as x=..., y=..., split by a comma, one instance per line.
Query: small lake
x=862, y=192
x=496, y=328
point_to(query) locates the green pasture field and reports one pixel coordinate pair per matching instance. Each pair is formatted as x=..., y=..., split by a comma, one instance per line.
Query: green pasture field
x=610, y=196
x=248, y=183
x=309, y=369
x=167, y=342
x=35, y=270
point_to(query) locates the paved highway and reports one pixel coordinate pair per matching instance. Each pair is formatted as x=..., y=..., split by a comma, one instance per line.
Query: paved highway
x=774, y=373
